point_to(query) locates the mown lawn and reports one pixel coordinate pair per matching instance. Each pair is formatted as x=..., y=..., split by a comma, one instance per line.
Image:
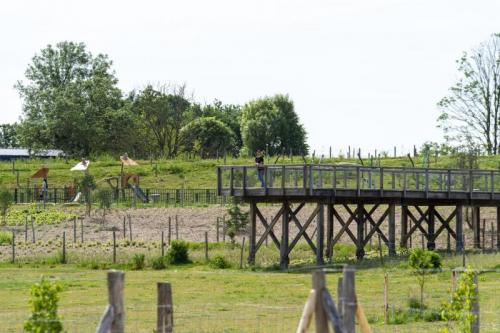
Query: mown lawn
x=211, y=300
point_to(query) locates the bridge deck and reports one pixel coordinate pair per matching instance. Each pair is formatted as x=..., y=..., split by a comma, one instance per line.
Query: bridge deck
x=353, y=184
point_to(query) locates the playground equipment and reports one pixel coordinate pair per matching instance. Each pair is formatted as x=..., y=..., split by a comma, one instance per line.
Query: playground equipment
x=127, y=180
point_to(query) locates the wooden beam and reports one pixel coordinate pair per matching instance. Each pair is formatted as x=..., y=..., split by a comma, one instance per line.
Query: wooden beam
x=459, y=245
x=302, y=231
x=360, y=223
x=284, y=260
x=253, y=233
x=404, y=227
x=269, y=228
x=320, y=235
x=476, y=225
x=345, y=226
x=431, y=242
x=329, y=231
x=376, y=227
x=392, y=230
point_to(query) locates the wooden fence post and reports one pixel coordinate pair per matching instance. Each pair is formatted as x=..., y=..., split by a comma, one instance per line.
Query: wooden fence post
x=176, y=227
x=74, y=229
x=318, y=282
x=124, y=228
x=114, y=247
x=81, y=234
x=33, y=229
x=386, y=299
x=26, y=230
x=13, y=246
x=64, y=248
x=130, y=227
x=165, y=318
x=217, y=229
x=115, y=299
x=162, y=244
x=206, y=245
x=169, y=230
x=349, y=302
x=241, y=252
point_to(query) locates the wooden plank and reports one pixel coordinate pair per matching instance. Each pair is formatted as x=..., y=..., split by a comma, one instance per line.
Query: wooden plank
x=253, y=233
x=404, y=227
x=269, y=228
x=360, y=224
x=164, y=312
x=349, y=302
x=431, y=240
x=332, y=312
x=320, y=235
x=392, y=230
x=302, y=230
x=329, y=231
x=345, y=226
x=307, y=312
x=459, y=246
x=106, y=320
x=284, y=236
x=376, y=227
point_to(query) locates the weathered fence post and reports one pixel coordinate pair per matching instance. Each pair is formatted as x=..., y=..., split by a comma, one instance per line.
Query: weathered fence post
x=349, y=303
x=241, y=252
x=318, y=281
x=386, y=299
x=26, y=230
x=124, y=229
x=74, y=229
x=206, y=245
x=176, y=227
x=130, y=227
x=169, y=230
x=33, y=229
x=13, y=246
x=114, y=247
x=165, y=318
x=162, y=244
x=115, y=300
x=64, y=248
x=217, y=230
x=81, y=233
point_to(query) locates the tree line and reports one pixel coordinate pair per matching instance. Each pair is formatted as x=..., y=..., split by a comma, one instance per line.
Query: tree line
x=71, y=102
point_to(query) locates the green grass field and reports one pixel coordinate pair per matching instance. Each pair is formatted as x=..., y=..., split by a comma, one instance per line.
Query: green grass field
x=231, y=300
x=178, y=173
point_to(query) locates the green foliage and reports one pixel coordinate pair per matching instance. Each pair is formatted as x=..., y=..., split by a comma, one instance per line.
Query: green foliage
x=206, y=137
x=423, y=262
x=5, y=238
x=138, y=261
x=459, y=309
x=8, y=136
x=5, y=202
x=272, y=121
x=87, y=184
x=238, y=219
x=219, y=261
x=178, y=253
x=159, y=263
x=44, y=298
x=50, y=215
x=71, y=102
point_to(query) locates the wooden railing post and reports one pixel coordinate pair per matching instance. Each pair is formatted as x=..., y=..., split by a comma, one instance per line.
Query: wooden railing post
x=115, y=300
x=165, y=317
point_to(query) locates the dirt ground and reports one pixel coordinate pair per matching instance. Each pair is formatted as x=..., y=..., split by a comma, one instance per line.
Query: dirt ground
x=192, y=223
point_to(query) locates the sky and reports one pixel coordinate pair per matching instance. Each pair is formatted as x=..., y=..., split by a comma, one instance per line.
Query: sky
x=364, y=73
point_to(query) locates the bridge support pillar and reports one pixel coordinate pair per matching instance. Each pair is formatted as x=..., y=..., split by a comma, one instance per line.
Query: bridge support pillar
x=404, y=227
x=284, y=259
x=431, y=243
x=320, y=234
x=476, y=225
x=329, y=232
x=253, y=233
x=459, y=243
x=392, y=230
x=360, y=223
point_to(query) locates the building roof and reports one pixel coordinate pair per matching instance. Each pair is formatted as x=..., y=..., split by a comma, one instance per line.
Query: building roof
x=26, y=152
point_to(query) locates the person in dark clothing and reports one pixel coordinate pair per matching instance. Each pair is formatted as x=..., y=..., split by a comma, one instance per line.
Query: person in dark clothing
x=261, y=169
x=44, y=189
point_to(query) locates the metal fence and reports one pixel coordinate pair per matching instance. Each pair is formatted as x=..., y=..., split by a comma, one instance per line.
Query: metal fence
x=166, y=197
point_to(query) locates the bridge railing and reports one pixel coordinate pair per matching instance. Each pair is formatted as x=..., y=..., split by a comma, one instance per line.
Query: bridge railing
x=332, y=177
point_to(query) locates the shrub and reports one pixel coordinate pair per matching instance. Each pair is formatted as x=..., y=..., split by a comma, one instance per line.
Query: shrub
x=219, y=262
x=159, y=263
x=178, y=252
x=238, y=219
x=422, y=263
x=5, y=238
x=414, y=303
x=138, y=261
x=44, y=297
x=5, y=202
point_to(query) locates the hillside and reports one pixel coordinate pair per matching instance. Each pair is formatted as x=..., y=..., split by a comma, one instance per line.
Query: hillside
x=178, y=173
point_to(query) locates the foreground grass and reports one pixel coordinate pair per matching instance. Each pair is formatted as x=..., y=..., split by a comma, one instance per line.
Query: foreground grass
x=179, y=173
x=211, y=300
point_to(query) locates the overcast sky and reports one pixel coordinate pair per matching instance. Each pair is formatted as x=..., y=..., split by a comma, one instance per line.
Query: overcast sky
x=361, y=73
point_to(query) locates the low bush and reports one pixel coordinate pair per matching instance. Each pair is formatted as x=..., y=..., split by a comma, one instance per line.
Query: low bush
x=219, y=261
x=159, y=263
x=178, y=253
x=138, y=261
x=5, y=238
x=44, y=298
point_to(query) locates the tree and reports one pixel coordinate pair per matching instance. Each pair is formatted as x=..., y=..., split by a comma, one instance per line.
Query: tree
x=164, y=111
x=8, y=136
x=70, y=101
x=272, y=122
x=207, y=136
x=423, y=262
x=238, y=219
x=229, y=114
x=472, y=110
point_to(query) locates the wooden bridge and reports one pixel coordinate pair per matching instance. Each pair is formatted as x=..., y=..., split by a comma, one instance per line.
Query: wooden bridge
x=360, y=191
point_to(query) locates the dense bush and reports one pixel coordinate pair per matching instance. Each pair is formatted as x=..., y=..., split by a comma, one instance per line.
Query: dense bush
x=159, y=263
x=219, y=261
x=178, y=252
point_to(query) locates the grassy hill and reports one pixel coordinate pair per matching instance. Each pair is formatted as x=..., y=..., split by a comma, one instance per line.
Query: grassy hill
x=178, y=173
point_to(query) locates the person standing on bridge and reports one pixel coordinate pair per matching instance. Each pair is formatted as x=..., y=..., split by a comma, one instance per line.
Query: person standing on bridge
x=261, y=169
